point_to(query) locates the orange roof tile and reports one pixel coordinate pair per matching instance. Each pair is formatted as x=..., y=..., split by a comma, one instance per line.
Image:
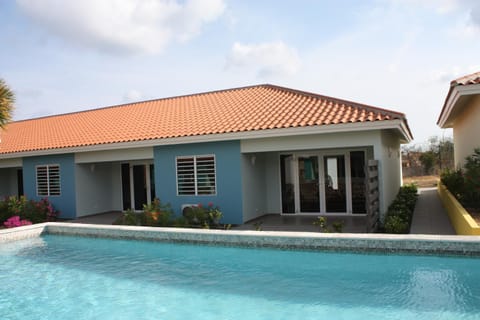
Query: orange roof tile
x=260, y=107
x=473, y=78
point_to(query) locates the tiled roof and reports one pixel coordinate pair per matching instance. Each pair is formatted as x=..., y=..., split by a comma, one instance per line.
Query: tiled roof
x=445, y=119
x=261, y=107
x=473, y=78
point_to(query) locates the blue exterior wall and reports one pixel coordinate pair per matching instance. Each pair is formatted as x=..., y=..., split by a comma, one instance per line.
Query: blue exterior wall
x=228, y=177
x=65, y=203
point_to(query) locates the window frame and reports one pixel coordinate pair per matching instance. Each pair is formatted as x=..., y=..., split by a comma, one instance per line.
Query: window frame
x=197, y=185
x=52, y=180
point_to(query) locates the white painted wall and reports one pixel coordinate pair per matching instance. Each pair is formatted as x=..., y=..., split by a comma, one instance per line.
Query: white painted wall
x=114, y=155
x=116, y=193
x=466, y=131
x=318, y=141
x=272, y=178
x=11, y=163
x=8, y=182
x=390, y=171
x=98, y=188
x=253, y=186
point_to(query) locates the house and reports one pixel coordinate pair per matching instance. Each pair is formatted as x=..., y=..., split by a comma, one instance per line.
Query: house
x=250, y=150
x=461, y=111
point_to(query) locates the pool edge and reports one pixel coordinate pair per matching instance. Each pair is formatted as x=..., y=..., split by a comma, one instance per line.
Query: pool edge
x=389, y=243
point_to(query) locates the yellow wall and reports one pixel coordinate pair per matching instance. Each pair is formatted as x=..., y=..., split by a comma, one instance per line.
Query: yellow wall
x=459, y=217
x=466, y=131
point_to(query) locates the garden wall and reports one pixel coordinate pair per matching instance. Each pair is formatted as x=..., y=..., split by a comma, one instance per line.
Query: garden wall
x=461, y=220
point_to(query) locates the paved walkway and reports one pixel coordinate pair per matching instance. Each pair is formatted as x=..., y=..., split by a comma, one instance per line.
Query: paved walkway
x=429, y=216
x=102, y=218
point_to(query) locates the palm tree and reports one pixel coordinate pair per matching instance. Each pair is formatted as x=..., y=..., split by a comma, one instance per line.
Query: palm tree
x=7, y=98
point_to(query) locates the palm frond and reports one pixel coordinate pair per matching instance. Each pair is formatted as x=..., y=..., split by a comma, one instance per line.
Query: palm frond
x=7, y=99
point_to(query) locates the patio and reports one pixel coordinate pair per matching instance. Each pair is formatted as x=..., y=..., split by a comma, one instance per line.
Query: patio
x=429, y=218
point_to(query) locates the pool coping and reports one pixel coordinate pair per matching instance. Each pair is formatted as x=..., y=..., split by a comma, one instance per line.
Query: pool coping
x=364, y=242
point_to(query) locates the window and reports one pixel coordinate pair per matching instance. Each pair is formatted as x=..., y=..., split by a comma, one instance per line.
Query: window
x=196, y=175
x=48, y=180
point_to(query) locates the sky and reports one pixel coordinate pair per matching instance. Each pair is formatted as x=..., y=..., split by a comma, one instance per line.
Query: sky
x=63, y=56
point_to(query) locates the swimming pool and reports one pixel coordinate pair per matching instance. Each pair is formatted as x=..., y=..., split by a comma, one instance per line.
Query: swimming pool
x=59, y=277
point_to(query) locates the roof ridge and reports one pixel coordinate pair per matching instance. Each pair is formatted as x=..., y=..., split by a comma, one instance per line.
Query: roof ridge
x=139, y=102
x=463, y=80
x=337, y=100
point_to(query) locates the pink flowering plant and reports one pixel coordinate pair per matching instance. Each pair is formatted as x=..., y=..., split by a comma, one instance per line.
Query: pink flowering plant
x=15, y=221
x=28, y=210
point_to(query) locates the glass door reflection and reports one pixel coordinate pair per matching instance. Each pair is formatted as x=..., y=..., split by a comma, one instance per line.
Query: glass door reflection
x=308, y=184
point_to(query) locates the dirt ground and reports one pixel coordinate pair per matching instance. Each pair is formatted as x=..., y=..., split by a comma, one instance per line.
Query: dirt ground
x=422, y=181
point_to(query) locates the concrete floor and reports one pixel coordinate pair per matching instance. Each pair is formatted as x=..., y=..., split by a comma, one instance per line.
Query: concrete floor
x=101, y=218
x=277, y=222
x=429, y=217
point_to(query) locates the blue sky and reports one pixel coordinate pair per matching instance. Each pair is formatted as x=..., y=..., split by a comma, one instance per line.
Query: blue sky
x=63, y=56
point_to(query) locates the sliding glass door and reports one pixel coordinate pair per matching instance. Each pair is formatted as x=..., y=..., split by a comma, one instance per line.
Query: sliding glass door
x=323, y=182
x=138, y=187
x=308, y=184
x=335, y=187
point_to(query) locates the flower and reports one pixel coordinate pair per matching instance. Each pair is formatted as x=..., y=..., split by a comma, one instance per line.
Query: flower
x=15, y=221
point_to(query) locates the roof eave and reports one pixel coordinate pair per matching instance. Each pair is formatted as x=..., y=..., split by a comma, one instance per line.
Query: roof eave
x=397, y=124
x=451, y=101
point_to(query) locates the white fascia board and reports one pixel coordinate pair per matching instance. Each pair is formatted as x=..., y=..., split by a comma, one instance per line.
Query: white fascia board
x=405, y=132
x=450, y=104
x=254, y=134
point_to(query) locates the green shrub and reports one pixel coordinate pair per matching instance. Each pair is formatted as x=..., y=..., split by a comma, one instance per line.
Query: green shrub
x=201, y=216
x=4, y=212
x=400, y=212
x=129, y=218
x=472, y=179
x=454, y=182
x=158, y=214
x=321, y=223
x=395, y=224
x=464, y=183
x=336, y=226
x=155, y=214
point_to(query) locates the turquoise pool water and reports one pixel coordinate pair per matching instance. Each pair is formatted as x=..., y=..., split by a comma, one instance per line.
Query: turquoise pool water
x=55, y=277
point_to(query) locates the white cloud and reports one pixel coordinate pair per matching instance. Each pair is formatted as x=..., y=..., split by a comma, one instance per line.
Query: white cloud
x=126, y=26
x=475, y=14
x=133, y=96
x=267, y=59
x=452, y=73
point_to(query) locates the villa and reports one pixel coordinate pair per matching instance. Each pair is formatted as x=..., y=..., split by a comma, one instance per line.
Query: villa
x=251, y=151
x=461, y=111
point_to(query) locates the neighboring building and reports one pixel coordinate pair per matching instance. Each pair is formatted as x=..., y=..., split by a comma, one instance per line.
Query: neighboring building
x=461, y=111
x=252, y=150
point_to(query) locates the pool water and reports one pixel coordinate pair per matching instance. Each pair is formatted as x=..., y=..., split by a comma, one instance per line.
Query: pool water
x=63, y=277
